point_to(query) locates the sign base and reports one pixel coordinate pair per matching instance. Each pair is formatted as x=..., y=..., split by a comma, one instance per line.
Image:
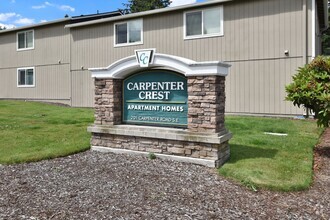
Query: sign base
x=173, y=143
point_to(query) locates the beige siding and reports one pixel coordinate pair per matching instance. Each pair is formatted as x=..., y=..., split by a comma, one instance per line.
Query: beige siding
x=256, y=34
x=51, y=83
x=259, y=86
x=82, y=89
x=51, y=45
x=252, y=30
x=51, y=59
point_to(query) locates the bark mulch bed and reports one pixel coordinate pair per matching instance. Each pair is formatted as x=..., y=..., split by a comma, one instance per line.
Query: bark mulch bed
x=95, y=185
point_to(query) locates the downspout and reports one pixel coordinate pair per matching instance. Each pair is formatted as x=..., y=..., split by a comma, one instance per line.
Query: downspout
x=71, y=86
x=313, y=29
x=305, y=40
x=305, y=32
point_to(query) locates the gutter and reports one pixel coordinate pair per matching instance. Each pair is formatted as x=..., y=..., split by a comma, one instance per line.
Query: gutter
x=35, y=25
x=68, y=20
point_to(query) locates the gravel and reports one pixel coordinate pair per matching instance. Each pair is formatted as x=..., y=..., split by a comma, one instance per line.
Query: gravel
x=93, y=185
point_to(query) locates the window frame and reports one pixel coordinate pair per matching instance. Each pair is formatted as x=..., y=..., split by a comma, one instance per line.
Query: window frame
x=127, y=36
x=34, y=77
x=202, y=35
x=25, y=34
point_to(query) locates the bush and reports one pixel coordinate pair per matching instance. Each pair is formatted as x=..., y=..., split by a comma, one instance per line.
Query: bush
x=311, y=89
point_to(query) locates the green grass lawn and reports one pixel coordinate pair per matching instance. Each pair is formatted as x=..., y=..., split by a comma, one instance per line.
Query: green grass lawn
x=31, y=131
x=259, y=160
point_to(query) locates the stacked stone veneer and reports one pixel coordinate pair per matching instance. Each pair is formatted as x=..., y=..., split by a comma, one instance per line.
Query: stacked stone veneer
x=206, y=104
x=108, y=101
x=205, y=137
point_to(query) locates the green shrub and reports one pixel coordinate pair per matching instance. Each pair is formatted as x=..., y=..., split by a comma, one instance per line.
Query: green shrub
x=151, y=156
x=311, y=89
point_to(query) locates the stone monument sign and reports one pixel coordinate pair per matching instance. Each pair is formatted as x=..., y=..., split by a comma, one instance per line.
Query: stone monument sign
x=162, y=104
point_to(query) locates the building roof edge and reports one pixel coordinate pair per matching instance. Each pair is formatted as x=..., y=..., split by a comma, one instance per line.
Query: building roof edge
x=35, y=25
x=73, y=19
x=145, y=13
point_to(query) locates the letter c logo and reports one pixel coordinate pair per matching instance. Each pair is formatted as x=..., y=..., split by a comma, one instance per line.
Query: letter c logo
x=144, y=59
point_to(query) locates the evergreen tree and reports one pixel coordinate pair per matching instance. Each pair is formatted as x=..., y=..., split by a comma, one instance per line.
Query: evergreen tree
x=134, y=6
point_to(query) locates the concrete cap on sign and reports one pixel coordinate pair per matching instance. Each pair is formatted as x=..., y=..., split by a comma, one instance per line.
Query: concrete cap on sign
x=162, y=133
x=124, y=67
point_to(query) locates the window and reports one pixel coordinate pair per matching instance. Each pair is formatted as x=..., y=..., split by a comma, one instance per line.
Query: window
x=204, y=23
x=25, y=40
x=25, y=77
x=128, y=33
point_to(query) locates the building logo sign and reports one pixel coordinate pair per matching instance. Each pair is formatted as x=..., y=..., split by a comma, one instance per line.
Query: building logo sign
x=145, y=57
x=156, y=97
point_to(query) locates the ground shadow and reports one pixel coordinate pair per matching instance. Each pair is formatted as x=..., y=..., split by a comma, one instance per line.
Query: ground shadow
x=241, y=152
x=323, y=151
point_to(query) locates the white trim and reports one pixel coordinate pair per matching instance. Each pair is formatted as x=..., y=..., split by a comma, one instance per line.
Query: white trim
x=35, y=25
x=220, y=34
x=26, y=48
x=126, y=66
x=58, y=21
x=34, y=77
x=127, y=44
x=313, y=29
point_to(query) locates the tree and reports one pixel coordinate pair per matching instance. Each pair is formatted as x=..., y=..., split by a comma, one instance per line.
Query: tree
x=311, y=89
x=134, y=6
